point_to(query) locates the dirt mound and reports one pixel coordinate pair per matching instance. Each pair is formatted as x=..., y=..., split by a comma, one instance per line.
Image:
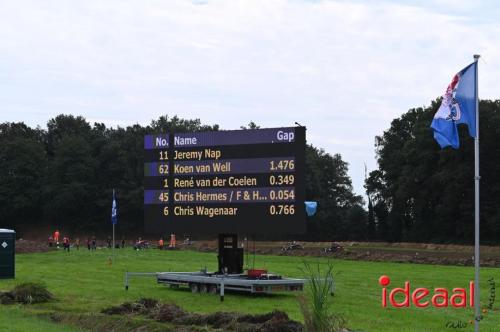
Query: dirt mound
x=26, y=293
x=169, y=313
x=276, y=321
x=7, y=298
x=143, y=306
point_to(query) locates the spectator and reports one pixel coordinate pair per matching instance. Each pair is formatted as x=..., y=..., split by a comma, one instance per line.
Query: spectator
x=172, y=241
x=56, y=237
x=66, y=243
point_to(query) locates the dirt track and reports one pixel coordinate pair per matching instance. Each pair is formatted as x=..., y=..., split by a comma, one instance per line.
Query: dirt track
x=378, y=251
x=368, y=251
x=28, y=246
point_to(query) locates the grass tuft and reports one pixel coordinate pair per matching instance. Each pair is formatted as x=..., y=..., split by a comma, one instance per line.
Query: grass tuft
x=315, y=306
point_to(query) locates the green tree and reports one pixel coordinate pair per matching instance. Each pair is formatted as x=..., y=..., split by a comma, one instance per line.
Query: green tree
x=70, y=185
x=175, y=124
x=251, y=125
x=22, y=168
x=370, y=223
x=328, y=183
x=64, y=177
x=428, y=192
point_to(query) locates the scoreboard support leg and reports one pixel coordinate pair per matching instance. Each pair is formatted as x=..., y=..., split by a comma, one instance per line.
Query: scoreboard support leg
x=230, y=256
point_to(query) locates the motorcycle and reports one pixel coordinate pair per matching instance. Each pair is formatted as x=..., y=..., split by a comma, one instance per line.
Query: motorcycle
x=292, y=246
x=334, y=248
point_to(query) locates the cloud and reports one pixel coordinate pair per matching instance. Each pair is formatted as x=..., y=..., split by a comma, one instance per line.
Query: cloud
x=343, y=69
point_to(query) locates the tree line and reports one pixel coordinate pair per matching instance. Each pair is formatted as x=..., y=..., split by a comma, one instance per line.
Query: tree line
x=423, y=193
x=63, y=177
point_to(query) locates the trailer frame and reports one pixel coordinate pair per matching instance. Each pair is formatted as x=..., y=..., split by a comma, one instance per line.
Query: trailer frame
x=213, y=283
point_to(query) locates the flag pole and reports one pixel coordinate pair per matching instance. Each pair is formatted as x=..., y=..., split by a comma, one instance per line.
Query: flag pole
x=113, y=250
x=476, y=208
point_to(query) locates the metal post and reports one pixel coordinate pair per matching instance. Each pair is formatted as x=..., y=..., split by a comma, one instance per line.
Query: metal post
x=113, y=249
x=477, y=297
x=222, y=290
x=113, y=242
x=129, y=275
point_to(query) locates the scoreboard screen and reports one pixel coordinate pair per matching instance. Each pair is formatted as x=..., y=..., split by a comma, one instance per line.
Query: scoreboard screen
x=241, y=181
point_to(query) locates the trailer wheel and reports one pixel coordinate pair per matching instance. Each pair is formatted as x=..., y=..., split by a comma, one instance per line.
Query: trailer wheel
x=212, y=289
x=195, y=288
x=203, y=288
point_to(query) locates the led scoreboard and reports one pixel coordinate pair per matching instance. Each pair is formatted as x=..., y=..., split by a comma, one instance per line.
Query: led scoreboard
x=241, y=181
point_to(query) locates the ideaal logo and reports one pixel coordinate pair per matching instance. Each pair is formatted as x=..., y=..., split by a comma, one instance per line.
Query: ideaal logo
x=422, y=297
x=440, y=298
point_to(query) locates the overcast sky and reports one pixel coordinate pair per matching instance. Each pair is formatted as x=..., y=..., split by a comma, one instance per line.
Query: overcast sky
x=344, y=69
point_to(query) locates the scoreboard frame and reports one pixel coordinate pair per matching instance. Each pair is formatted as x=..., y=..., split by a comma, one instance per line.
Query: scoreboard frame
x=255, y=159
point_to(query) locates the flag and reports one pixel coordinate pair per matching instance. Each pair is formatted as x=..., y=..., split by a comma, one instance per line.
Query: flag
x=114, y=212
x=311, y=208
x=458, y=106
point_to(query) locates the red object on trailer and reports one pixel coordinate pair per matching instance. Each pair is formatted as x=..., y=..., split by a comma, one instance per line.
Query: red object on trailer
x=256, y=273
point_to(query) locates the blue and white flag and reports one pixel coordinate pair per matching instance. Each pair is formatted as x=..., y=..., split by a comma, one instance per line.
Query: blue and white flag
x=114, y=212
x=458, y=106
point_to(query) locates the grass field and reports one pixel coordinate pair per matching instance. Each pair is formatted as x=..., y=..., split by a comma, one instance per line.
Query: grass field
x=84, y=283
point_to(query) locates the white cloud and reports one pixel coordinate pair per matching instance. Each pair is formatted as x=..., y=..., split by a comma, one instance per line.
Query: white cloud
x=344, y=69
